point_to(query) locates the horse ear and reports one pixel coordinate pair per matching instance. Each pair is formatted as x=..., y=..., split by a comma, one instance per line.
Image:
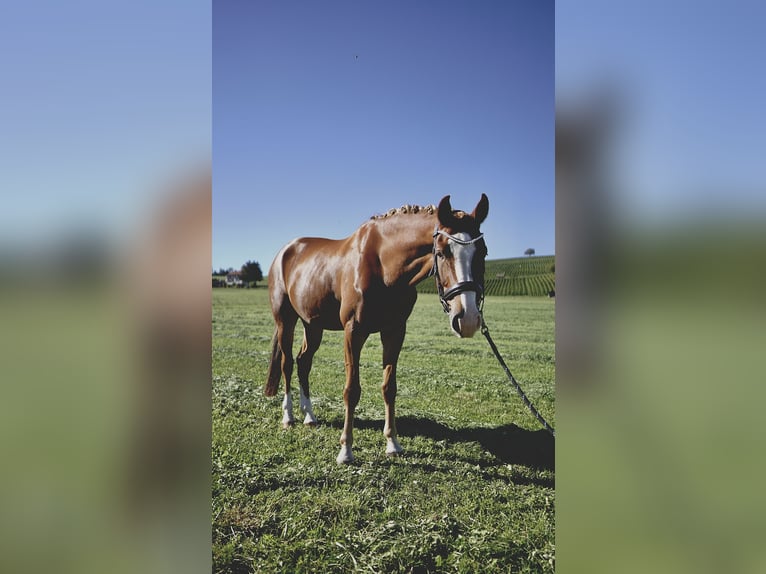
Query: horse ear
x=446, y=217
x=482, y=209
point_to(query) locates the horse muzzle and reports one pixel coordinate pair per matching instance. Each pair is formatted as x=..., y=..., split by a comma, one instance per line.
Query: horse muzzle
x=465, y=325
x=465, y=318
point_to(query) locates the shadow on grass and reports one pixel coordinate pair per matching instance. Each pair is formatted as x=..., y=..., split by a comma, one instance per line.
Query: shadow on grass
x=509, y=443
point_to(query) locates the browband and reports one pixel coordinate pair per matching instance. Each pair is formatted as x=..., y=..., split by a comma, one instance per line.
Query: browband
x=457, y=240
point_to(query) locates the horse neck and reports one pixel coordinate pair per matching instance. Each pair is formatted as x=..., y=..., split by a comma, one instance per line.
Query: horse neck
x=406, y=246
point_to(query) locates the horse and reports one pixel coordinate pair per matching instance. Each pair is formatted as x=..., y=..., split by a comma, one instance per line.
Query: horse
x=365, y=284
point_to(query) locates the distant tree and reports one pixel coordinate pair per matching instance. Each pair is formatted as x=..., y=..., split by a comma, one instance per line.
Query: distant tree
x=529, y=252
x=251, y=272
x=223, y=271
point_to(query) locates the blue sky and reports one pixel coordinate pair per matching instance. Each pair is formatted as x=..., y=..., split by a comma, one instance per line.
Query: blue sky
x=327, y=113
x=102, y=104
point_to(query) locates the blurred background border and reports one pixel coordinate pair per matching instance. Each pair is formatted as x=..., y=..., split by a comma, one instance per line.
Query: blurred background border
x=105, y=293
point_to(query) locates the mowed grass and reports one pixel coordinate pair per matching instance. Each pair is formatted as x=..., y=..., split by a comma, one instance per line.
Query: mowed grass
x=474, y=491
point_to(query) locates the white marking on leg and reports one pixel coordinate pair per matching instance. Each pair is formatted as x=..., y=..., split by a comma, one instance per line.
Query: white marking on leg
x=307, y=410
x=393, y=446
x=287, y=410
x=345, y=456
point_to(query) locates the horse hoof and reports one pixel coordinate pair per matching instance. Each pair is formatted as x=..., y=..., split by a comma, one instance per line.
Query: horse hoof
x=345, y=456
x=393, y=448
x=394, y=453
x=310, y=424
x=288, y=424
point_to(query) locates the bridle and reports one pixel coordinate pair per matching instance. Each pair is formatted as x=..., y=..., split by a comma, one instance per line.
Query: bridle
x=461, y=287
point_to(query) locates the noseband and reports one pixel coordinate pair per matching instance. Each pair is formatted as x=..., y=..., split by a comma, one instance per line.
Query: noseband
x=462, y=286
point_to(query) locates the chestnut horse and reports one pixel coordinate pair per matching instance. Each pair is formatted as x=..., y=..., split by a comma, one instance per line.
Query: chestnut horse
x=365, y=284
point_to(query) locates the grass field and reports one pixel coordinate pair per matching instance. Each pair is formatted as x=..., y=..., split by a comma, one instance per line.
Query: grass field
x=474, y=491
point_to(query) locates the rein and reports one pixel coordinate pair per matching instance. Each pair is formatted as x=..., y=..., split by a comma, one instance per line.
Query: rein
x=462, y=287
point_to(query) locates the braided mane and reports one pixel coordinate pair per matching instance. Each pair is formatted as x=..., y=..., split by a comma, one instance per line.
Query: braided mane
x=407, y=209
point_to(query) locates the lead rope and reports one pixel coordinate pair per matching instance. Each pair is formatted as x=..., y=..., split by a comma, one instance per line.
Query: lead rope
x=538, y=416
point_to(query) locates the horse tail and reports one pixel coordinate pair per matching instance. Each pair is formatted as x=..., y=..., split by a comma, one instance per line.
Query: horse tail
x=275, y=368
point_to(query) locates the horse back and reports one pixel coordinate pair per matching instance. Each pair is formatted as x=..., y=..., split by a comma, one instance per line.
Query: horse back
x=308, y=273
x=330, y=282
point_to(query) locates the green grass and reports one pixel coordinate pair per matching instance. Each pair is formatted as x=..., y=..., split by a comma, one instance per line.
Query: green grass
x=474, y=491
x=528, y=276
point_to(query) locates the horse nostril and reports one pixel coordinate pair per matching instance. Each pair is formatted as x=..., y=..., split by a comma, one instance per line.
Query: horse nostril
x=456, y=321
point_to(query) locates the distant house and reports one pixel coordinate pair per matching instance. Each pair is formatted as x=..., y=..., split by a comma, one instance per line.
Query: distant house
x=233, y=279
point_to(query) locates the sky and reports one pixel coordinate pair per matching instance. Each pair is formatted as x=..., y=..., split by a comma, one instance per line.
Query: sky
x=325, y=114
x=101, y=104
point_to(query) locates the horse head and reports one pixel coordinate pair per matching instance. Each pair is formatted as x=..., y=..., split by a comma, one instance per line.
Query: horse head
x=459, y=254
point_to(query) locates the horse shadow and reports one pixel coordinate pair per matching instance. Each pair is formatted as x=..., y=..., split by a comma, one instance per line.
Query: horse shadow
x=509, y=444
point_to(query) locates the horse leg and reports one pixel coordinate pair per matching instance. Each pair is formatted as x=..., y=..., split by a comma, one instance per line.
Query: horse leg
x=354, y=340
x=312, y=337
x=285, y=334
x=392, y=340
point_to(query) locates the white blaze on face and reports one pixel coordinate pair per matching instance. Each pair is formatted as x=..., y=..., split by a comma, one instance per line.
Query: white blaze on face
x=463, y=257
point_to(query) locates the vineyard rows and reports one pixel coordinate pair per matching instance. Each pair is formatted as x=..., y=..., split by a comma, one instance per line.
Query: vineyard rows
x=532, y=276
